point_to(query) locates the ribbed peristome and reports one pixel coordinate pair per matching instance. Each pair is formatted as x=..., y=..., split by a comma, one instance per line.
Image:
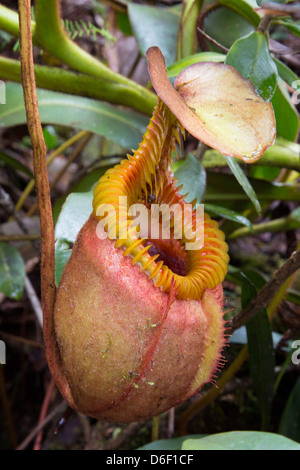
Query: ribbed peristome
x=145, y=177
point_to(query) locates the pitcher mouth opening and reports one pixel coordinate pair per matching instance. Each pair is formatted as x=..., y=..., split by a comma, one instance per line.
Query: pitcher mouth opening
x=145, y=179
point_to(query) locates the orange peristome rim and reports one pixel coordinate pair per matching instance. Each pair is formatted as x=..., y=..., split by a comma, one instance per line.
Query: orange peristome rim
x=145, y=176
x=177, y=101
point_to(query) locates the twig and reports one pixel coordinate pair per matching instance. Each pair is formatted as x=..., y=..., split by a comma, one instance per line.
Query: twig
x=171, y=422
x=43, y=195
x=34, y=301
x=264, y=23
x=282, y=10
x=20, y=339
x=59, y=409
x=84, y=136
x=266, y=294
x=30, y=186
x=45, y=406
x=21, y=237
x=212, y=40
x=7, y=203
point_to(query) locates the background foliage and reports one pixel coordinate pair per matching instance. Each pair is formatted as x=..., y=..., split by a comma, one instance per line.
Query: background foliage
x=95, y=103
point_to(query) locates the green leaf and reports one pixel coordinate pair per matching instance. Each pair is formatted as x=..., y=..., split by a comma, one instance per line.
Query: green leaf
x=241, y=440
x=154, y=26
x=124, y=127
x=287, y=118
x=295, y=214
x=62, y=255
x=123, y=23
x=261, y=353
x=228, y=214
x=191, y=174
x=286, y=73
x=250, y=56
x=175, y=69
x=293, y=26
x=12, y=272
x=75, y=212
x=50, y=137
x=244, y=182
x=290, y=420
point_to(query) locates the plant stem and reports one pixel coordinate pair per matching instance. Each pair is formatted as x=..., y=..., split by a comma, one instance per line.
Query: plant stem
x=267, y=293
x=43, y=194
x=277, y=225
x=155, y=428
x=17, y=238
x=65, y=81
x=50, y=35
x=9, y=21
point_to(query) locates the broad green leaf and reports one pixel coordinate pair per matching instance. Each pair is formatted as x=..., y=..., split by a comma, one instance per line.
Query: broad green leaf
x=228, y=214
x=261, y=353
x=251, y=57
x=75, y=212
x=62, y=255
x=155, y=26
x=186, y=41
x=191, y=174
x=287, y=117
x=290, y=420
x=225, y=26
x=244, y=182
x=174, y=69
x=124, y=127
x=12, y=272
x=241, y=440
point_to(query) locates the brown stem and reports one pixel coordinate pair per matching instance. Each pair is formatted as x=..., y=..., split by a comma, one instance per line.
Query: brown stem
x=266, y=294
x=43, y=192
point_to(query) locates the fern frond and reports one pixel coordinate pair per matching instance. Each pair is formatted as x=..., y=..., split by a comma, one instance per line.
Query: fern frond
x=80, y=28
